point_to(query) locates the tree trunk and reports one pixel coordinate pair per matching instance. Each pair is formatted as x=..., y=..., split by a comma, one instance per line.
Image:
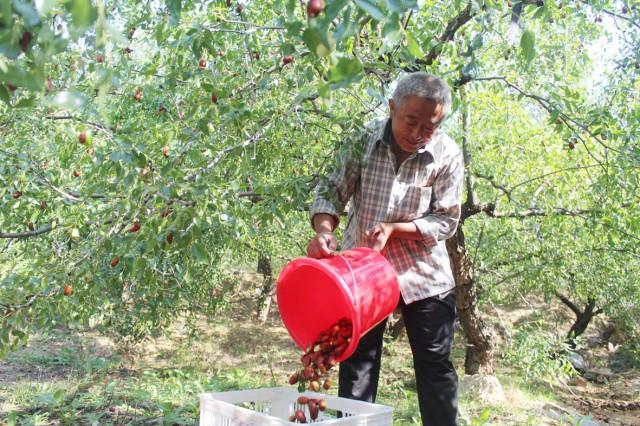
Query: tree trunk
x=396, y=328
x=480, y=339
x=266, y=294
x=583, y=318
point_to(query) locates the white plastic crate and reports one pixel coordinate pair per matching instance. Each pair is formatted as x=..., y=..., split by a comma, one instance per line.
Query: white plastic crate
x=273, y=406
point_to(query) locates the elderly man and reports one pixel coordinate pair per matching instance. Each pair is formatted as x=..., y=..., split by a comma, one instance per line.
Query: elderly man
x=403, y=176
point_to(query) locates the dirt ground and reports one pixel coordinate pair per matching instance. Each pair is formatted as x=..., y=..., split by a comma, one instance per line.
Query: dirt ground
x=233, y=340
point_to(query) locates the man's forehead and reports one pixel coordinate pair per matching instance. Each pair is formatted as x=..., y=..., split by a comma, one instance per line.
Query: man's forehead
x=433, y=117
x=418, y=103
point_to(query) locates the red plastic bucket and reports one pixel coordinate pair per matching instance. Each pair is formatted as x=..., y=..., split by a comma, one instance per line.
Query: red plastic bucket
x=313, y=294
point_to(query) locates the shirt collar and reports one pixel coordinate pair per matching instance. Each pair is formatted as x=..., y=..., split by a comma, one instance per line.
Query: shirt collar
x=387, y=136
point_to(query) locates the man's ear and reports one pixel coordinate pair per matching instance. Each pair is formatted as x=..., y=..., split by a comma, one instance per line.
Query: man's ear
x=391, y=106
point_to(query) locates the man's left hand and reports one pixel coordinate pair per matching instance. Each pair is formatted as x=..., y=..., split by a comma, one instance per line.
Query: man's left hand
x=378, y=235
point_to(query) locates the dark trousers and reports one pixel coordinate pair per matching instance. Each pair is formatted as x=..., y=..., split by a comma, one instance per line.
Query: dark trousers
x=429, y=324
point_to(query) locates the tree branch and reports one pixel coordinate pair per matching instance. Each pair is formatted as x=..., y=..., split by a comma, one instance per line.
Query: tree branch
x=569, y=303
x=462, y=18
x=495, y=184
x=538, y=212
x=514, y=259
x=611, y=249
x=553, y=173
x=469, y=209
x=255, y=26
x=11, y=309
x=27, y=234
x=472, y=197
x=98, y=126
x=447, y=35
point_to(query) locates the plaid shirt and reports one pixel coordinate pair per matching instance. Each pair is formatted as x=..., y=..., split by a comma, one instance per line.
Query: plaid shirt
x=425, y=190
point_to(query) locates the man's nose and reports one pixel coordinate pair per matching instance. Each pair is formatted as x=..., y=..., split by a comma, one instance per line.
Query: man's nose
x=420, y=132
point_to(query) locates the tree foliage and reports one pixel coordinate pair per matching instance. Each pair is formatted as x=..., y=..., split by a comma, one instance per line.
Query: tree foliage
x=208, y=122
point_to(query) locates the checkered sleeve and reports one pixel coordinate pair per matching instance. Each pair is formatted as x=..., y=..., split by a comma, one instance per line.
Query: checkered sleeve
x=442, y=220
x=333, y=192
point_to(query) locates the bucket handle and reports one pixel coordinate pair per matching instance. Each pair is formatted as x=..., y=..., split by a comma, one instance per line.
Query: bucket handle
x=353, y=276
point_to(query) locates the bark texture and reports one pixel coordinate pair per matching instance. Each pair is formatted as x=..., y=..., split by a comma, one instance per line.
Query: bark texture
x=268, y=289
x=479, y=337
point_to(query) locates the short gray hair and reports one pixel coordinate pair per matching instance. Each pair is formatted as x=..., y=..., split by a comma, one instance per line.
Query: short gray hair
x=425, y=86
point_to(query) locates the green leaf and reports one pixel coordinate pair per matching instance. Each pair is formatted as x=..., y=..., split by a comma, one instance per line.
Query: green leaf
x=392, y=31
x=294, y=28
x=82, y=12
x=26, y=102
x=345, y=72
x=401, y=6
x=17, y=333
x=46, y=399
x=291, y=7
x=287, y=49
x=333, y=8
x=5, y=13
x=304, y=94
x=539, y=12
x=413, y=47
x=199, y=252
x=31, y=79
x=395, y=6
x=4, y=94
x=492, y=4
x=317, y=42
x=371, y=9
x=175, y=7
x=527, y=45
x=28, y=12
x=10, y=49
x=477, y=42
x=347, y=27
x=59, y=395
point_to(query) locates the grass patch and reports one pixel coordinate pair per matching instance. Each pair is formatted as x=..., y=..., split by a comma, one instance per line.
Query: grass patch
x=69, y=379
x=166, y=396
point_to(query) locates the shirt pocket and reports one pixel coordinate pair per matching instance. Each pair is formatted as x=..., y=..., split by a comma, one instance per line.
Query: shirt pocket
x=416, y=202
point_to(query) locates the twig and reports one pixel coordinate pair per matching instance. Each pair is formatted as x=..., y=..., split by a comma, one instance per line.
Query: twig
x=568, y=303
x=30, y=301
x=495, y=184
x=244, y=23
x=458, y=21
x=91, y=123
x=552, y=173
x=26, y=234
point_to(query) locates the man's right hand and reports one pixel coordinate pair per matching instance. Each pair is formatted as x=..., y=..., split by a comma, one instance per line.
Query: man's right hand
x=322, y=245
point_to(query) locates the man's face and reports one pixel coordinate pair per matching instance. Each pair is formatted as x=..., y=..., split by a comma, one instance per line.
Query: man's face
x=414, y=122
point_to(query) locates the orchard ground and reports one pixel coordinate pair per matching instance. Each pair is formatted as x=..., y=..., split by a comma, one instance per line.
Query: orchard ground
x=84, y=377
